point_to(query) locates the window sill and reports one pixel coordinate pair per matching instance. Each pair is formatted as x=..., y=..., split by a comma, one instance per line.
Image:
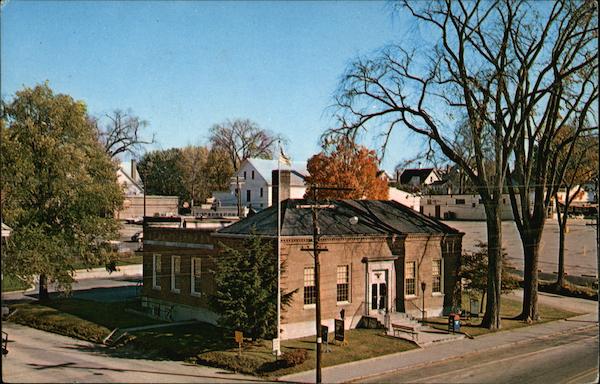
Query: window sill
x=342, y=303
x=310, y=306
x=156, y=288
x=196, y=294
x=437, y=294
x=175, y=290
x=410, y=296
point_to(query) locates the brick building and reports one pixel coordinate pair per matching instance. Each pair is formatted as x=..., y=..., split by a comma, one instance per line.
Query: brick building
x=372, y=267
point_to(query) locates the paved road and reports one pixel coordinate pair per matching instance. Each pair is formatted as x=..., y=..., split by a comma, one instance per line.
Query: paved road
x=37, y=356
x=571, y=358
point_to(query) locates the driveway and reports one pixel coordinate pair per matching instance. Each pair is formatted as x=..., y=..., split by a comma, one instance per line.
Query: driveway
x=37, y=356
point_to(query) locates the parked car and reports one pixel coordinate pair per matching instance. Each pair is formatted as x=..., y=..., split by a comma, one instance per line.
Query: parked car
x=138, y=236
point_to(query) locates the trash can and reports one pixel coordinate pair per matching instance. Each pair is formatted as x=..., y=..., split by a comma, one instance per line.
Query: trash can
x=456, y=323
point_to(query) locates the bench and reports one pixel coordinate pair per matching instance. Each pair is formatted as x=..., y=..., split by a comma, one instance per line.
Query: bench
x=398, y=328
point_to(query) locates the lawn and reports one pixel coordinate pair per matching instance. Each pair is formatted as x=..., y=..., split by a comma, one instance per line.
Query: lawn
x=509, y=309
x=82, y=319
x=208, y=345
x=13, y=283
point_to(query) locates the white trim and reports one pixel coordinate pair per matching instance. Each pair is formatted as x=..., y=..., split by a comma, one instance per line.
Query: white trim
x=174, y=275
x=155, y=276
x=193, y=261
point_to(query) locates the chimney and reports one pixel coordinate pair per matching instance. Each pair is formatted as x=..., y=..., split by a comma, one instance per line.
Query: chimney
x=134, y=170
x=285, y=184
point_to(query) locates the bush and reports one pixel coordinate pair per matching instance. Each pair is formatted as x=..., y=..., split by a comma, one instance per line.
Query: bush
x=230, y=360
x=295, y=357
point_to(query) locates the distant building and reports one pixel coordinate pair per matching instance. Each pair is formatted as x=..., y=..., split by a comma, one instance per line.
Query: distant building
x=133, y=191
x=411, y=200
x=419, y=177
x=256, y=186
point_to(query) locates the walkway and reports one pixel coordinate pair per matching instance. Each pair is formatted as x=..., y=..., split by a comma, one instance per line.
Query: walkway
x=42, y=357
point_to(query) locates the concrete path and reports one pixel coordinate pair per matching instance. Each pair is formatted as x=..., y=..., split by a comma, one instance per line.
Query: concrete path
x=42, y=357
x=363, y=369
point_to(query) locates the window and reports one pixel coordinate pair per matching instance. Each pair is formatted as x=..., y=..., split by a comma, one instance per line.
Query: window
x=176, y=274
x=409, y=278
x=310, y=292
x=252, y=175
x=343, y=283
x=261, y=192
x=436, y=276
x=156, y=271
x=244, y=175
x=473, y=205
x=196, y=275
x=248, y=195
x=460, y=201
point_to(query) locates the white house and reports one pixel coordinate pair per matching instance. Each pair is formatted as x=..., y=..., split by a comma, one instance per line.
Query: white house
x=418, y=177
x=129, y=179
x=256, y=186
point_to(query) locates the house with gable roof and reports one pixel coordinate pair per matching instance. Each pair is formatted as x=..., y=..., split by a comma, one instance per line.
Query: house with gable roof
x=256, y=184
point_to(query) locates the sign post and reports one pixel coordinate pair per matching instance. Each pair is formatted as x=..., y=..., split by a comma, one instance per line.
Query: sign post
x=325, y=336
x=239, y=338
x=339, y=331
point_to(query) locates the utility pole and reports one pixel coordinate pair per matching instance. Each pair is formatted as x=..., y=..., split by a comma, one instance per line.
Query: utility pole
x=316, y=251
x=316, y=233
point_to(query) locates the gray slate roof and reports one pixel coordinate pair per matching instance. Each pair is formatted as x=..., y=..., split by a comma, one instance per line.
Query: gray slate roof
x=375, y=217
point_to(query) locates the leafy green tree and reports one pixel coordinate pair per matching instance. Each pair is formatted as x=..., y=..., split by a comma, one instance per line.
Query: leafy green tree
x=218, y=170
x=59, y=188
x=474, y=270
x=161, y=173
x=246, y=288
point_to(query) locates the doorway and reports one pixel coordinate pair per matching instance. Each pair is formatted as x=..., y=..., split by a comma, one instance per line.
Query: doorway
x=379, y=290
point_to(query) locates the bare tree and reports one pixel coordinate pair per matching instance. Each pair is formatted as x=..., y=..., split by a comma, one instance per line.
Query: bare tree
x=557, y=60
x=582, y=168
x=121, y=133
x=242, y=139
x=471, y=76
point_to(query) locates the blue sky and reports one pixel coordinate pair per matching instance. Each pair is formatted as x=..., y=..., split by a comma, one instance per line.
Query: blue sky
x=184, y=66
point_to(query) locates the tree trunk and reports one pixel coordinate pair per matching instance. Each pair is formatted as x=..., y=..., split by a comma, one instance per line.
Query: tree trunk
x=530, y=278
x=491, y=318
x=562, y=229
x=481, y=304
x=43, y=290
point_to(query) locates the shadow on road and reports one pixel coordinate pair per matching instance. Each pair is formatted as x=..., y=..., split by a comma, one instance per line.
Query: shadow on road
x=153, y=372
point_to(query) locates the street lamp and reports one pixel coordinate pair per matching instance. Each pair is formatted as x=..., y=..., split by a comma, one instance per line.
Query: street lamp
x=423, y=286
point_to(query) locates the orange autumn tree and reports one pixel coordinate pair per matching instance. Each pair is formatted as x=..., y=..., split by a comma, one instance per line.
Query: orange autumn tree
x=348, y=166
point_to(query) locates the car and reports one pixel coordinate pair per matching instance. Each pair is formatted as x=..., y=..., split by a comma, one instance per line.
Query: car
x=138, y=236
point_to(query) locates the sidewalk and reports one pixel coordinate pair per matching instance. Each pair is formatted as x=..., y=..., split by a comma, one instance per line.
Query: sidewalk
x=432, y=354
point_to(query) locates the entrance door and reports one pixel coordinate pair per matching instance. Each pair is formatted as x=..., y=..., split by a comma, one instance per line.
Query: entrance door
x=437, y=212
x=379, y=290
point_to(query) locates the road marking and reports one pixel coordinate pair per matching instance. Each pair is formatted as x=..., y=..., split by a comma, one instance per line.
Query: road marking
x=470, y=368
x=575, y=379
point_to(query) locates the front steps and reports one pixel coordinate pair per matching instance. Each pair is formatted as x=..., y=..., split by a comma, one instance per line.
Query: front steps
x=425, y=336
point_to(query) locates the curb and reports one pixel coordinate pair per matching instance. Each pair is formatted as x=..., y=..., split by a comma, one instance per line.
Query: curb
x=450, y=358
x=427, y=363
x=124, y=270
